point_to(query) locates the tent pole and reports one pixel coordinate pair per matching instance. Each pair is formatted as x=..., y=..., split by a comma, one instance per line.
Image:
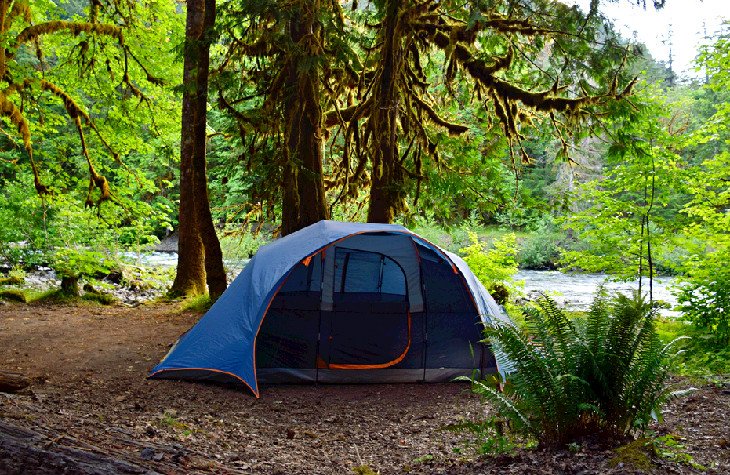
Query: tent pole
x=319, y=324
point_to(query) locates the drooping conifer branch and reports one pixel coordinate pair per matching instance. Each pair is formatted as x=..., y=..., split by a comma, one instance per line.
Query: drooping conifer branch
x=514, y=105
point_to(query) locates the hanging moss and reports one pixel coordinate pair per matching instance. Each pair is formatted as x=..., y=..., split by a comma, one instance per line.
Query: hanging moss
x=75, y=28
x=16, y=118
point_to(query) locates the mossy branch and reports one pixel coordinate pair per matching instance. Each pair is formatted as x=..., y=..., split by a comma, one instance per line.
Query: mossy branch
x=77, y=114
x=454, y=129
x=75, y=28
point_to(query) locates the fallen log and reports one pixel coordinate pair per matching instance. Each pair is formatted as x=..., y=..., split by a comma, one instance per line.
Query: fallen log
x=12, y=382
x=25, y=451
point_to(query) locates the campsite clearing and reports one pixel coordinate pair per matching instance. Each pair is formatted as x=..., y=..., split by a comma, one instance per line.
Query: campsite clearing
x=90, y=402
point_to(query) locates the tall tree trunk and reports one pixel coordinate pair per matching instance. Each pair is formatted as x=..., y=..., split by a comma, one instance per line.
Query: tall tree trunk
x=303, y=186
x=214, y=271
x=199, y=253
x=387, y=185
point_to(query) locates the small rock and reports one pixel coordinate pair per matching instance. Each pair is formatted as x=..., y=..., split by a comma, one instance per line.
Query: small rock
x=147, y=454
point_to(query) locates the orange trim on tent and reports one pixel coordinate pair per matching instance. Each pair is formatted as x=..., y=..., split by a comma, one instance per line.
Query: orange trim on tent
x=207, y=369
x=306, y=261
x=381, y=365
x=263, y=315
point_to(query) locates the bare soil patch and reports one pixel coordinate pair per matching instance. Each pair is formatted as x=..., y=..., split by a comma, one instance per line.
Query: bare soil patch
x=91, y=410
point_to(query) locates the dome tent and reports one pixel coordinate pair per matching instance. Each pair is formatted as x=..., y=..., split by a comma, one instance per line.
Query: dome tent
x=342, y=302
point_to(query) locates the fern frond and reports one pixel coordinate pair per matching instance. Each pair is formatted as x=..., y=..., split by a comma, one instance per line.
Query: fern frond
x=502, y=402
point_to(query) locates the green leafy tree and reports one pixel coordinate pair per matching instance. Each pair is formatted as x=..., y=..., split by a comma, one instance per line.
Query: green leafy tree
x=706, y=237
x=634, y=206
x=84, y=84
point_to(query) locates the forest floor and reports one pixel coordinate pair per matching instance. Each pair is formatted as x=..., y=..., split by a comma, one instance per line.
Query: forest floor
x=91, y=410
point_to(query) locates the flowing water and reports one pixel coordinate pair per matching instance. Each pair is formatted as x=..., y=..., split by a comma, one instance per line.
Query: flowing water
x=576, y=291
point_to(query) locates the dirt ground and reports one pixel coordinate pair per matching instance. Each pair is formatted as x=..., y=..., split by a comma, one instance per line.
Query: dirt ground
x=91, y=410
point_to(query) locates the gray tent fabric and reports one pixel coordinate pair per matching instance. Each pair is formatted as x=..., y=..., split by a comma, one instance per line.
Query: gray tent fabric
x=341, y=302
x=400, y=249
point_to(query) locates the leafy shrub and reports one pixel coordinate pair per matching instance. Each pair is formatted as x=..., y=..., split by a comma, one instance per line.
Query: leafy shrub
x=603, y=375
x=494, y=267
x=705, y=300
x=701, y=356
x=540, y=250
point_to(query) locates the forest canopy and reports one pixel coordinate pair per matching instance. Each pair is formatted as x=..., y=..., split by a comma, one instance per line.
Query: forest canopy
x=532, y=116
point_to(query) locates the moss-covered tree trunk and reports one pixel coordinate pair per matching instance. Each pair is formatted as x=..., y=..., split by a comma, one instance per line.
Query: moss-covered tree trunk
x=70, y=285
x=199, y=254
x=214, y=270
x=303, y=187
x=387, y=185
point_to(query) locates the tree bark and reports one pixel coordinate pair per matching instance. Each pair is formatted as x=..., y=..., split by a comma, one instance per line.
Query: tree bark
x=214, y=271
x=387, y=184
x=70, y=286
x=303, y=200
x=200, y=260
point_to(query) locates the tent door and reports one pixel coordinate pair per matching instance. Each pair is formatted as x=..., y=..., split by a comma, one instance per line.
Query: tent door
x=368, y=341
x=369, y=326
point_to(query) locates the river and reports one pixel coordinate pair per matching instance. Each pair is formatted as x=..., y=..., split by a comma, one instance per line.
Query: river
x=576, y=291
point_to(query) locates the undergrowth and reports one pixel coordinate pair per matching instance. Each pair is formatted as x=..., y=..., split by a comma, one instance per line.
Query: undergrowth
x=702, y=356
x=13, y=295
x=604, y=375
x=198, y=303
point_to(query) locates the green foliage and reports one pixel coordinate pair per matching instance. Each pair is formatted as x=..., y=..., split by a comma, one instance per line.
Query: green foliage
x=58, y=232
x=701, y=356
x=240, y=245
x=490, y=435
x=604, y=375
x=540, y=250
x=198, y=304
x=669, y=161
x=705, y=299
x=636, y=202
x=80, y=262
x=669, y=447
x=495, y=266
